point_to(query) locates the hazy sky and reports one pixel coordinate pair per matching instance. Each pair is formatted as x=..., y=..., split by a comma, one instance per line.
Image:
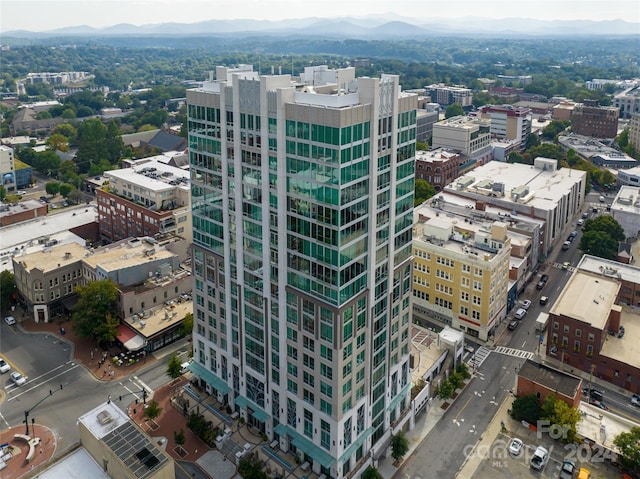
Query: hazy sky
x=42, y=15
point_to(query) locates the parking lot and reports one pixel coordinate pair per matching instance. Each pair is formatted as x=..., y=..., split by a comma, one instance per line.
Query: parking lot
x=497, y=463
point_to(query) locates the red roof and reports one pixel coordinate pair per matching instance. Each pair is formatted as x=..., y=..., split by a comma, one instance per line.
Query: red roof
x=125, y=333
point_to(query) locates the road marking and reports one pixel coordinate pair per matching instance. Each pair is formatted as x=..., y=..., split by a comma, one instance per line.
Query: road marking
x=13, y=366
x=5, y=421
x=23, y=392
x=463, y=407
x=522, y=347
x=143, y=385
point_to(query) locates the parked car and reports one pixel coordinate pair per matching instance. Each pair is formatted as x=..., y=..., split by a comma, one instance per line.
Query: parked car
x=4, y=366
x=593, y=393
x=10, y=320
x=515, y=446
x=539, y=459
x=542, y=282
x=621, y=331
x=580, y=222
x=525, y=304
x=567, y=470
x=585, y=215
x=17, y=378
x=635, y=400
x=573, y=234
x=566, y=265
x=566, y=245
x=595, y=210
x=544, y=300
x=586, y=474
x=21, y=192
x=513, y=324
x=601, y=199
x=520, y=313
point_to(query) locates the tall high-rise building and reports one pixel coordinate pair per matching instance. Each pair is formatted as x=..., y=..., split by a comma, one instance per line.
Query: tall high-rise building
x=302, y=194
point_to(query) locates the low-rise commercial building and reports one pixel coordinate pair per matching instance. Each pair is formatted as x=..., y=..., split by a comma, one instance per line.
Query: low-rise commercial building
x=468, y=136
x=625, y=209
x=591, y=329
x=439, y=167
x=543, y=381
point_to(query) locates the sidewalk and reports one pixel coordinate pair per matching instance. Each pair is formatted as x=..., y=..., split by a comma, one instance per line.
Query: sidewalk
x=17, y=464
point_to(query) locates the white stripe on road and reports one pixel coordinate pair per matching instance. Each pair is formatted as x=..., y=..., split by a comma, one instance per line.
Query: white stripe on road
x=23, y=392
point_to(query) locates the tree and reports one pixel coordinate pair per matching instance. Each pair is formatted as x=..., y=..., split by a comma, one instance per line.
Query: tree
x=423, y=191
x=91, y=138
x=526, y=408
x=58, y=142
x=152, y=411
x=399, y=445
x=628, y=443
x=452, y=110
x=66, y=189
x=113, y=143
x=92, y=314
x=371, y=473
x=174, y=367
x=186, y=327
x=446, y=390
x=52, y=188
x=7, y=289
x=66, y=130
x=559, y=412
x=179, y=438
x=532, y=140
x=251, y=467
x=606, y=224
x=598, y=243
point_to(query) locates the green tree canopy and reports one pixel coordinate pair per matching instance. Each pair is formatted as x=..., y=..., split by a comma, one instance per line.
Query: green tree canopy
x=52, y=188
x=399, y=445
x=251, y=467
x=526, y=408
x=174, y=367
x=58, y=142
x=598, y=243
x=371, y=473
x=559, y=412
x=186, y=327
x=550, y=131
x=532, y=140
x=628, y=443
x=65, y=189
x=91, y=139
x=179, y=438
x=92, y=313
x=65, y=129
x=152, y=411
x=423, y=191
x=452, y=110
x=7, y=288
x=606, y=224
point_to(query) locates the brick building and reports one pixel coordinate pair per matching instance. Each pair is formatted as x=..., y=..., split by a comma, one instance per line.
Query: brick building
x=590, y=327
x=439, y=167
x=590, y=119
x=542, y=380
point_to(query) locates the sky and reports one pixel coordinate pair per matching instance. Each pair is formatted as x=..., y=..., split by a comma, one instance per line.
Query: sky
x=43, y=15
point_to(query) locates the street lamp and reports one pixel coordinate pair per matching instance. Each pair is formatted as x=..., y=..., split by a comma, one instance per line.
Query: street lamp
x=27, y=411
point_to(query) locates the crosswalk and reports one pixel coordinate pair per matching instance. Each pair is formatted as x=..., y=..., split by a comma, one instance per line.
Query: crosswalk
x=518, y=353
x=478, y=357
x=571, y=269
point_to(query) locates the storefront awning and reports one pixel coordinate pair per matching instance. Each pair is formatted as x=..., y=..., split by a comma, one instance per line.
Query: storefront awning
x=305, y=445
x=258, y=412
x=207, y=376
x=131, y=340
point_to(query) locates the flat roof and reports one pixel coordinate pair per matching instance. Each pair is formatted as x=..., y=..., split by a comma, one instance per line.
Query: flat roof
x=51, y=258
x=153, y=175
x=546, y=187
x=609, y=268
x=127, y=253
x=20, y=207
x=627, y=200
x=594, y=419
x=77, y=465
x=627, y=348
x=103, y=419
x=551, y=378
x=587, y=297
x=160, y=318
x=424, y=347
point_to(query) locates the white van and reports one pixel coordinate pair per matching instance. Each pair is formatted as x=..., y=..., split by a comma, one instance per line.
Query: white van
x=184, y=367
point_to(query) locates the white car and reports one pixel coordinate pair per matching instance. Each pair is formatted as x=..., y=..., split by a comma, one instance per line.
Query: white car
x=18, y=378
x=539, y=459
x=4, y=366
x=520, y=313
x=525, y=304
x=10, y=320
x=515, y=446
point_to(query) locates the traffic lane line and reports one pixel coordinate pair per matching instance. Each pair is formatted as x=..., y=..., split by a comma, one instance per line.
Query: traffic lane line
x=36, y=386
x=13, y=366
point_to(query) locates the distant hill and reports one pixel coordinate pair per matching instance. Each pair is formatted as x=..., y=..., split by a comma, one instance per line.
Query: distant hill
x=374, y=27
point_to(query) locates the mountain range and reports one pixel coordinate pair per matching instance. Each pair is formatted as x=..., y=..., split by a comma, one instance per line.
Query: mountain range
x=373, y=27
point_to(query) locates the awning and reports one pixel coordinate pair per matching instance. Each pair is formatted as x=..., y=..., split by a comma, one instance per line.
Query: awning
x=394, y=402
x=355, y=445
x=131, y=340
x=258, y=412
x=305, y=445
x=208, y=377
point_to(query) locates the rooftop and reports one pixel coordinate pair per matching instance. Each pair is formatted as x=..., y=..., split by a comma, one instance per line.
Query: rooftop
x=153, y=175
x=595, y=419
x=539, y=185
x=424, y=349
x=627, y=348
x=103, y=419
x=52, y=258
x=551, y=378
x=610, y=269
x=159, y=318
x=627, y=200
x=28, y=205
x=587, y=297
x=126, y=253
x=77, y=465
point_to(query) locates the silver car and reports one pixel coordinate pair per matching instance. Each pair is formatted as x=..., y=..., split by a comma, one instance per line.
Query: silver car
x=17, y=378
